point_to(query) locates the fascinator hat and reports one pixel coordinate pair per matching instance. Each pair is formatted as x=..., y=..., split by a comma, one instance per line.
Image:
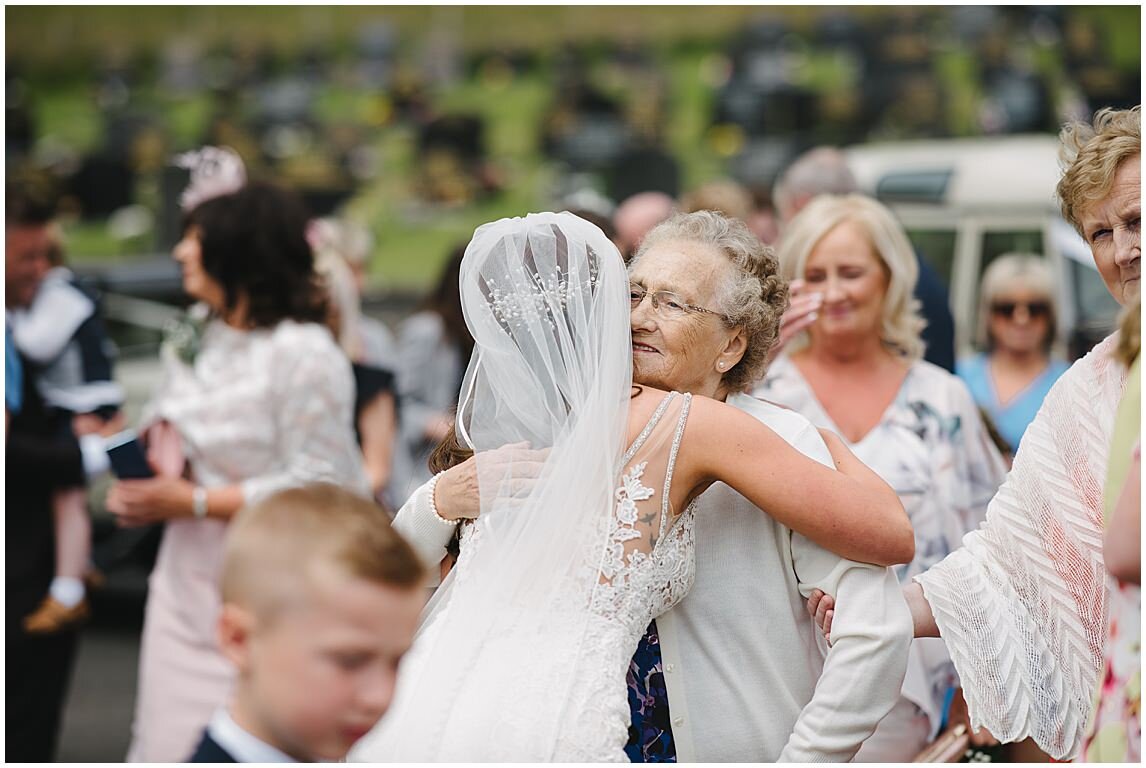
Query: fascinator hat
x=215, y=171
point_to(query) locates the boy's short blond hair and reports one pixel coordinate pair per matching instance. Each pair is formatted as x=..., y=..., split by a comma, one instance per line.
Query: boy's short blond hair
x=272, y=545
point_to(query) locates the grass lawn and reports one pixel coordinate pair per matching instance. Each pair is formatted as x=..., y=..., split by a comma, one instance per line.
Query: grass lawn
x=57, y=45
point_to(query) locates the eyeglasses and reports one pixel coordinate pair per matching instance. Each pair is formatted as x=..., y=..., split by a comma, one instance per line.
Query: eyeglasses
x=665, y=303
x=1035, y=309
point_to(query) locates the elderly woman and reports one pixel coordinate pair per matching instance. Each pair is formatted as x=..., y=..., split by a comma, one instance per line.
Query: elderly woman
x=1022, y=605
x=1016, y=328
x=258, y=399
x=733, y=672
x=858, y=370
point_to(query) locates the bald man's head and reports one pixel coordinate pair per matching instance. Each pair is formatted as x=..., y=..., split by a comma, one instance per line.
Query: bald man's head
x=819, y=171
x=637, y=215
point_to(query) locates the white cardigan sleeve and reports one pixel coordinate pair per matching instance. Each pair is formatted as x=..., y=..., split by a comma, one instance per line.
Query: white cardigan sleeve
x=865, y=666
x=427, y=535
x=1022, y=604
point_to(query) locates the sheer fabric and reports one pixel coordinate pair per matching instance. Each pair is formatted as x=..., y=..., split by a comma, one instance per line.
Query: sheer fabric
x=523, y=649
x=1022, y=605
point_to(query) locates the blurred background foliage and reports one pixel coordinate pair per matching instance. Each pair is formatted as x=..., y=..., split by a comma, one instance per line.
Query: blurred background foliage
x=423, y=122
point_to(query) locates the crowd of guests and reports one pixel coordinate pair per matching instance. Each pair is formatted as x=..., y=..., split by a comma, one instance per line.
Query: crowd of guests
x=311, y=480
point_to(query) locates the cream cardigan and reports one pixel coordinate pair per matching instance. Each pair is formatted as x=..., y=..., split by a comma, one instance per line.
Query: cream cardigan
x=746, y=671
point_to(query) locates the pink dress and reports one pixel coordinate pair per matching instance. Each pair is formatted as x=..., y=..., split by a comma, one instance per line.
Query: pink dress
x=266, y=409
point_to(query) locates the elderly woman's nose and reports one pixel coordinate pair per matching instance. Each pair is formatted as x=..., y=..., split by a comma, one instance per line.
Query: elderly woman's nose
x=642, y=315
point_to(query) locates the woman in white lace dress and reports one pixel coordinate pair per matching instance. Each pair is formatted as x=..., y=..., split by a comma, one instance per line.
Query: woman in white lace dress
x=585, y=530
x=255, y=398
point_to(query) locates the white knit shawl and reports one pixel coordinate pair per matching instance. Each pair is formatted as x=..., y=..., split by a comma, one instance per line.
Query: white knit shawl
x=1022, y=604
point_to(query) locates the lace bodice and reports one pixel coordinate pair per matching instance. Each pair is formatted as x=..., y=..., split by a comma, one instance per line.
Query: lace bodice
x=647, y=567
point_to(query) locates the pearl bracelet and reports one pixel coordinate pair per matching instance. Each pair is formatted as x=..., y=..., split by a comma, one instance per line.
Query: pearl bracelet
x=433, y=486
x=199, y=502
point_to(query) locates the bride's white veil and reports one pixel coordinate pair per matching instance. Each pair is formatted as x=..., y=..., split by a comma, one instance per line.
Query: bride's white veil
x=545, y=299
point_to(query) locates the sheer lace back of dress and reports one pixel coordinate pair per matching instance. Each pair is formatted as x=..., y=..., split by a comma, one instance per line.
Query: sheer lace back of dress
x=642, y=512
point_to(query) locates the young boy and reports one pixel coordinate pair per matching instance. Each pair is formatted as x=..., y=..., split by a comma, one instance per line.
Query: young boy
x=321, y=598
x=62, y=334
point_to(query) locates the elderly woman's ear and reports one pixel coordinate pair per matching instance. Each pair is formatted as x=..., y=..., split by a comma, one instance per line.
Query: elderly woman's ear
x=733, y=351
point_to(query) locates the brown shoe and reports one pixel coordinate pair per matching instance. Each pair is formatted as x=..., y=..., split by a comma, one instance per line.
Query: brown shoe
x=53, y=616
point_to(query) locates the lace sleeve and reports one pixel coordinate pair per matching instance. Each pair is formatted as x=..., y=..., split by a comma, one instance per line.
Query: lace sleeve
x=1022, y=604
x=314, y=420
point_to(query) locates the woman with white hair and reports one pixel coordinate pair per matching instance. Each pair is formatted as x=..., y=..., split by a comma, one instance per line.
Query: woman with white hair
x=858, y=371
x=1016, y=329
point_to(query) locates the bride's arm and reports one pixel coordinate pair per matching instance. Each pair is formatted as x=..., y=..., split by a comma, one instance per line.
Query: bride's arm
x=851, y=512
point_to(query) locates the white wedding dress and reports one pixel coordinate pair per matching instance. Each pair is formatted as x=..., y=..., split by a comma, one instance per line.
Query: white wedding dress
x=556, y=691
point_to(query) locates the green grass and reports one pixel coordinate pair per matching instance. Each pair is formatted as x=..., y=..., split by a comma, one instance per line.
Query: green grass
x=413, y=239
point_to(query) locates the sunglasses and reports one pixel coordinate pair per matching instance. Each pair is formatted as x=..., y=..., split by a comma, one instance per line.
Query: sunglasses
x=1007, y=309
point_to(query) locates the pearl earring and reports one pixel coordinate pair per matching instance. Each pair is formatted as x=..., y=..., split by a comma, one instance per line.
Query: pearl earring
x=720, y=366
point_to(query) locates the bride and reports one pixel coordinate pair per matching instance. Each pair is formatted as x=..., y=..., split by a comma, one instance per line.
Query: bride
x=587, y=536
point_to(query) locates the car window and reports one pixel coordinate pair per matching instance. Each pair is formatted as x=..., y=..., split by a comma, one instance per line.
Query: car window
x=937, y=248
x=1094, y=306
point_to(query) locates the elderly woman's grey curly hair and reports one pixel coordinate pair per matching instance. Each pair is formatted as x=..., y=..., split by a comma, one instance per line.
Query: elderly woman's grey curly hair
x=752, y=296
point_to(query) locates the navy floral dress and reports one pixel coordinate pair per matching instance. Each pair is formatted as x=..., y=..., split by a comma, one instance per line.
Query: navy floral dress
x=650, y=731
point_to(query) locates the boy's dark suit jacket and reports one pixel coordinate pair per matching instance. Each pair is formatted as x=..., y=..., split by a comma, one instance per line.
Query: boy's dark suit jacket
x=209, y=751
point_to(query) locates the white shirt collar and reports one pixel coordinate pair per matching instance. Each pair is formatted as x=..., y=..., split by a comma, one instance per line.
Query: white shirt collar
x=241, y=745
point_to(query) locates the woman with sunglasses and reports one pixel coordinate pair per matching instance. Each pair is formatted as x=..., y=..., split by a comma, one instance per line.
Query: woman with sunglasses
x=1016, y=328
x=859, y=371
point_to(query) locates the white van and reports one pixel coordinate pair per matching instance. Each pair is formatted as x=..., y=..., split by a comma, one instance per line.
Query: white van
x=964, y=202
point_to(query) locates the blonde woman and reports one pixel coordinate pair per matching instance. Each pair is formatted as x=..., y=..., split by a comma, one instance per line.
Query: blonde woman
x=858, y=371
x=1016, y=331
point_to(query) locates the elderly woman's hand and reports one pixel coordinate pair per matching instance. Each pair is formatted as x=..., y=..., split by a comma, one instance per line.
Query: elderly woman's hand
x=803, y=310
x=456, y=494
x=821, y=607
x=152, y=500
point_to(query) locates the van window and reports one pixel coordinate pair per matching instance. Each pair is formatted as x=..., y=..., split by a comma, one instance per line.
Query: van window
x=1094, y=306
x=937, y=248
x=995, y=244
